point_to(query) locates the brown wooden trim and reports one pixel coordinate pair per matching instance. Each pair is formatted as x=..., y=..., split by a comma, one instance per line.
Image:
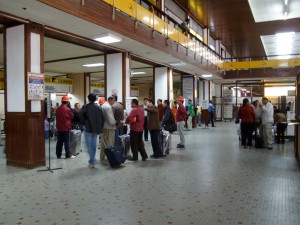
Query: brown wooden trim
x=153, y=87
x=105, y=76
x=124, y=81
x=168, y=81
x=72, y=58
x=86, y=92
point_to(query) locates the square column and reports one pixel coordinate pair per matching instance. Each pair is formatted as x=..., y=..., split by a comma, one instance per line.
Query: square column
x=163, y=83
x=24, y=119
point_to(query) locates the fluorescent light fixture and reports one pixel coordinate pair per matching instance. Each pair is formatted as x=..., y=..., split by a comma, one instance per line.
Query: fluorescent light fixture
x=107, y=38
x=135, y=73
x=93, y=65
x=206, y=75
x=236, y=87
x=176, y=64
x=285, y=2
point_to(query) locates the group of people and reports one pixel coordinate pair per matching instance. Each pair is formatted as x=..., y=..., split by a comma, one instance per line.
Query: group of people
x=109, y=118
x=258, y=118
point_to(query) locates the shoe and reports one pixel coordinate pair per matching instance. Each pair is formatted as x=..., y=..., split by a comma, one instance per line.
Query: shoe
x=163, y=156
x=145, y=159
x=71, y=157
x=91, y=166
x=213, y=126
x=180, y=146
x=154, y=157
x=270, y=147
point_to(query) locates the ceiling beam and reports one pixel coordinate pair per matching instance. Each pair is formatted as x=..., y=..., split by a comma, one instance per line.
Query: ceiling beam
x=73, y=58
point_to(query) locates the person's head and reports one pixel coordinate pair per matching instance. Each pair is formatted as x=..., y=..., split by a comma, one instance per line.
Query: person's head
x=150, y=103
x=77, y=106
x=159, y=101
x=64, y=100
x=187, y=21
x=264, y=100
x=255, y=103
x=145, y=101
x=111, y=100
x=190, y=101
x=115, y=97
x=210, y=101
x=57, y=104
x=180, y=100
x=166, y=103
x=174, y=103
x=101, y=101
x=245, y=101
x=92, y=97
x=134, y=103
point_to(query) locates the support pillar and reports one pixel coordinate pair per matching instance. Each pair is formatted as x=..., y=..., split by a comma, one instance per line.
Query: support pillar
x=163, y=76
x=24, y=51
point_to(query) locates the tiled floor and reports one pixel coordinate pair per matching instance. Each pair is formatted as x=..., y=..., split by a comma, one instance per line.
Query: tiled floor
x=212, y=181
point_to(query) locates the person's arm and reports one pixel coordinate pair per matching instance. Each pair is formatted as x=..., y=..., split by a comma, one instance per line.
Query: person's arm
x=132, y=114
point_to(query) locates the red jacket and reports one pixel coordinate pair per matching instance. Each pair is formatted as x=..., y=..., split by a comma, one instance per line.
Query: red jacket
x=181, y=114
x=138, y=114
x=246, y=114
x=64, y=115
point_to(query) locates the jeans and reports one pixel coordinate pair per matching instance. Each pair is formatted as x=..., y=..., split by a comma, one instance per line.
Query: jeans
x=63, y=138
x=154, y=133
x=199, y=120
x=118, y=132
x=247, y=132
x=145, y=128
x=91, y=143
x=180, y=127
x=137, y=144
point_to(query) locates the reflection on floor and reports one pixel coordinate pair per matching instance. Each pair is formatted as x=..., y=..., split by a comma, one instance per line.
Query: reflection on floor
x=212, y=181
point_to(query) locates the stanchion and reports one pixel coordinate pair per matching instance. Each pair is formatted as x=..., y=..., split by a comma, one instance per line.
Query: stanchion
x=49, y=116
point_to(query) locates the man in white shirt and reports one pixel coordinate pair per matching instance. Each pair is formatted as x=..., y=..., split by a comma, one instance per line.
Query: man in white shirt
x=267, y=119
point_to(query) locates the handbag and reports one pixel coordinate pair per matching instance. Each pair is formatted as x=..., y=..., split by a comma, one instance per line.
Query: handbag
x=171, y=127
x=237, y=120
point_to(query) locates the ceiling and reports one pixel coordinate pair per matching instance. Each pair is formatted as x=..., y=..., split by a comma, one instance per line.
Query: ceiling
x=240, y=27
x=230, y=21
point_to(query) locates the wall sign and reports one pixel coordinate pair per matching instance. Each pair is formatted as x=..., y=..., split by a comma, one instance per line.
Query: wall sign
x=35, y=86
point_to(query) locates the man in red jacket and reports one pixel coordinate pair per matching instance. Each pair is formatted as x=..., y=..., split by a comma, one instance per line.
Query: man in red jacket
x=180, y=118
x=136, y=121
x=64, y=115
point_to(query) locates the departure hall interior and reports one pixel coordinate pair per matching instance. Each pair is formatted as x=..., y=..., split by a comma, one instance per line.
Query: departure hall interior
x=210, y=51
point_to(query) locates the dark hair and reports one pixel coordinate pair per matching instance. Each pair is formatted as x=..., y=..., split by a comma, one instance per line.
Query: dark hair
x=160, y=100
x=146, y=99
x=92, y=97
x=149, y=100
x=76, y=104
x=245, y=101
x=167, y=102
x=175, y=102
x=111, y=98
x=115, y=97
x=210, y=101
x=134, y=101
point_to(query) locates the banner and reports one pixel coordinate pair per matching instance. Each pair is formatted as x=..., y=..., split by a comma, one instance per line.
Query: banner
x=35, y=86
x=1, y=80
x=134, y=91
x=58, y=84
x=98, y=88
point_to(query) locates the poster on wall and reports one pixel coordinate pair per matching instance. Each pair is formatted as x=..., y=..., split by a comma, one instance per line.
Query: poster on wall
x=188, y=87
x=204, y=104
x=134, y=91
x=58, y=84
x=97, y=88
x=35, y=86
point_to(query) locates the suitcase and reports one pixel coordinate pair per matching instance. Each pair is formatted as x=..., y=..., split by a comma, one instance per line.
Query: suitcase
x=114, y=157
x=164, y=142
x=259, y=142
x=124, y=141
x=75, y=142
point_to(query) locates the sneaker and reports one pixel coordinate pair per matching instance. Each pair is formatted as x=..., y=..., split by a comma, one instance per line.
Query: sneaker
x=180, y=146
x=145, y=159
x=270, y=147
x=91, y=166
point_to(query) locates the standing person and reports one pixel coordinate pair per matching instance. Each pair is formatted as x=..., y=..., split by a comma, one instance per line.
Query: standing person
x=191, y=114
x=64, y=116
x=267, y=122
x=199, y=111
x=160, y=110
x=136, y=121
x=168, y=121
x=46, y=128
x=281, y=125
x=118, y=111
x=180, y=118
x=76, y=120
x=257, y=123
x=92, y=117
x=145, y=119
x=211, y=111
x=109, y=128
x=154, y=128
x=247, y=115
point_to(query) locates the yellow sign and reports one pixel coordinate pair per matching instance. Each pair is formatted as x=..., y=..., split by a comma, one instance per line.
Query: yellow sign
x=2, y=80
x=97, y=85
x=58, y=80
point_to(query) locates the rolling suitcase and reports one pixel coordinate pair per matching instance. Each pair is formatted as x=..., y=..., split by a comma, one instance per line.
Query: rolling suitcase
x=259, y=142
x=164, y=142
x=115, y=158
x=124, y=141
x=75, y=142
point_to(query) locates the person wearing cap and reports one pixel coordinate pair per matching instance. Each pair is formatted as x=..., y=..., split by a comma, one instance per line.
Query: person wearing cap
x=92, y=117
x=267, y=122
x=64, y=115
x=109, y=128
x=181, y=115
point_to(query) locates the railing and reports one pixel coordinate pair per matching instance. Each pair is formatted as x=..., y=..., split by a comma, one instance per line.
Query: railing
x=143, y=15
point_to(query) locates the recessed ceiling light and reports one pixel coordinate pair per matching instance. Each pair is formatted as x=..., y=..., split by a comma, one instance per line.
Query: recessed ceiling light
x=93, y=64
x=135, y=73
x=107, y=38
x=206, y=75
